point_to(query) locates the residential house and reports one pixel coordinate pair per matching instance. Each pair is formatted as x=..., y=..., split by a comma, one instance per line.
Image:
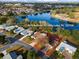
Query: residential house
x=26, y=32
x=12, y=55
x=65, y=46
x=9, y=28
x=18, y=30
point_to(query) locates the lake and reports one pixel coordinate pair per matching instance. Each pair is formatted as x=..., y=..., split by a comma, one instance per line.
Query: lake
x=51, y=20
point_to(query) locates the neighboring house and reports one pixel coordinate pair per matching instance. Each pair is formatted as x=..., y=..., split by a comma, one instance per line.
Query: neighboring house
x=3, y=26
x=12, y=55
x=26, y=32
x=65, y=46
x=18, y=30
x=9, y=28
x=66, y=50
x=6, y=27
x=42, y=37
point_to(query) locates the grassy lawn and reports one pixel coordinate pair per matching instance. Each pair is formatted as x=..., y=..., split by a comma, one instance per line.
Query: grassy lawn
x=72, y=36
x=71, y=14
x=10, y=33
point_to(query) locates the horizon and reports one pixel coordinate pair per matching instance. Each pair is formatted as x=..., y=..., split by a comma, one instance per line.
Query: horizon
x=42, y=1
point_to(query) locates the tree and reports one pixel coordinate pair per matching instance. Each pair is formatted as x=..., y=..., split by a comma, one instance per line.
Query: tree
x=1, y=55
x=23, y=13
x=76, y=54
x=10, y=13
x=56, y=55
x=31, y=55
x=2, y=39
x=25, y=55
x=3, y=19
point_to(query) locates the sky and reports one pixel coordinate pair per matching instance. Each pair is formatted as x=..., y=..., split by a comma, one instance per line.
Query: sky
x=41, y=0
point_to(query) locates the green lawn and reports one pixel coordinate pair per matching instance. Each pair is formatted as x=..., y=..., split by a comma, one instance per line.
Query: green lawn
x=71, y=35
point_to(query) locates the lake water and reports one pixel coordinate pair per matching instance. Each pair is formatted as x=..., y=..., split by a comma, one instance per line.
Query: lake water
x=53, y=21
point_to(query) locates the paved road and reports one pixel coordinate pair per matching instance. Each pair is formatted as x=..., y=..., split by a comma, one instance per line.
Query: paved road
x=29, y=47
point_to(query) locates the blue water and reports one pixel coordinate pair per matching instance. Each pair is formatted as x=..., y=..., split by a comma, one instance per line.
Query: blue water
x=53, y=21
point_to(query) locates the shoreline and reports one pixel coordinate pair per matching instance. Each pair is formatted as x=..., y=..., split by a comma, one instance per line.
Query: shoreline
x=64, y=17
